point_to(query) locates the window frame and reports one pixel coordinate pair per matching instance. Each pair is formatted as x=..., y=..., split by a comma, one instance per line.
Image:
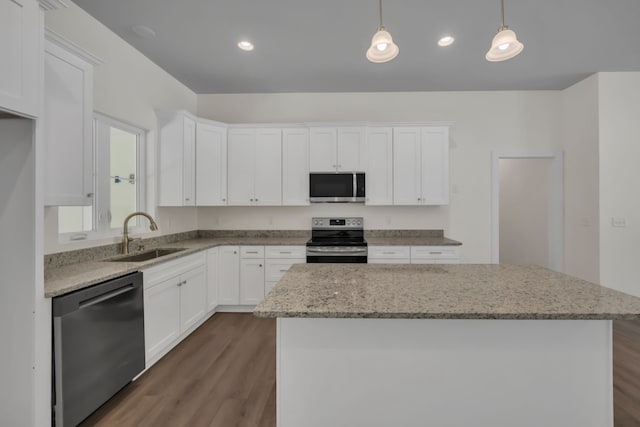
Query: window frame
x=101, y=214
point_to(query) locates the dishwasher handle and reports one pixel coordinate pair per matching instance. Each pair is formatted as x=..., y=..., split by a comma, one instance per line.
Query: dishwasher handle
x=104, y=297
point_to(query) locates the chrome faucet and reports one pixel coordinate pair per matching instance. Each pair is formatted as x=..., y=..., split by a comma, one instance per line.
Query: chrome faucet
x=125, y=230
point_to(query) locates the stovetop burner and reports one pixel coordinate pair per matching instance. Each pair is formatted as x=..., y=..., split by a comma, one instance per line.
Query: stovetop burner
x=337, y=240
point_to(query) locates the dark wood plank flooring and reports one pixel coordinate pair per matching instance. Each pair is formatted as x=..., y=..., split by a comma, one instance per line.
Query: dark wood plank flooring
x=626, y=373
x=224, y=374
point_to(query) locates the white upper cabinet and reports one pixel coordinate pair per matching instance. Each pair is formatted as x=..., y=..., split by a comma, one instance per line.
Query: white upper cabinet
x=254, y=167
x=421, y=165
x=176, y=173
x=336, y=149
x=211, y=164
x=295, y=167
x=20, y=52
x=379, y=169
x=68, y=130
x=350, y=149
x=435, y=165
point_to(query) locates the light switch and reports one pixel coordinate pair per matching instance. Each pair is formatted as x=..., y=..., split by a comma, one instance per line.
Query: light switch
x=618, y=222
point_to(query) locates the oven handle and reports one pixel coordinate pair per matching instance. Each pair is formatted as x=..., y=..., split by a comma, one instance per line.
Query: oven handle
x=338, y=252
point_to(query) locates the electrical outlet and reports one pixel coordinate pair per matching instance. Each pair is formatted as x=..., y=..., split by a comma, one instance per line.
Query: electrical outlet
x=618, y=222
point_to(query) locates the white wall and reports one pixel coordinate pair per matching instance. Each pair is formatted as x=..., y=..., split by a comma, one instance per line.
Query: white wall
x=129, y=87
x=580, y=145
x=619, y=154
x=524, y=211
x=484, y=121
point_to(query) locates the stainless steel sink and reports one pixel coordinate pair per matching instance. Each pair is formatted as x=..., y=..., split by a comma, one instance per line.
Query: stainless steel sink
x=146, y=256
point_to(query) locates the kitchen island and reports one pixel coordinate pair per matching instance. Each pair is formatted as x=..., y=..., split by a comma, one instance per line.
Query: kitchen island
x=443, y=345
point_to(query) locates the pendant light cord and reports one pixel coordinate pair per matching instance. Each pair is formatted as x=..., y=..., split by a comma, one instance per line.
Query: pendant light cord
x=501, y=11
x=380, y=9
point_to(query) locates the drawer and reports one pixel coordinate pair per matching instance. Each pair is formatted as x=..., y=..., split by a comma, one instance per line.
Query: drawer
x=285, y=251
x=435, y=261
x=435, y=252
x=252, y=252
x=171, y=268
x=276, y=268
x=389, y=261
x=389, y=252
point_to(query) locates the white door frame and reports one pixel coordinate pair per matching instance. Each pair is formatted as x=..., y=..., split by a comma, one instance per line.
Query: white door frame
x=556, y=204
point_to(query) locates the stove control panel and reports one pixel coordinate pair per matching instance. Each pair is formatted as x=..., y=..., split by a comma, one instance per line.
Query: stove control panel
x=353, y=222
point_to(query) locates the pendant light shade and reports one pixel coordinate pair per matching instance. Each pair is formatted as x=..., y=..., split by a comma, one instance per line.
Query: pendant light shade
x=505, y=44
x=382, y=48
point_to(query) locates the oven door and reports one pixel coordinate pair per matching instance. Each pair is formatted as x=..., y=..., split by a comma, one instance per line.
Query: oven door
x=336, y=187
x=340, y=254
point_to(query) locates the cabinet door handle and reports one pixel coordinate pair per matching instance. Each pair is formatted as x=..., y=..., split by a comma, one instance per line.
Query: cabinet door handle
x=419, y=198
x=260, y=265
x=234, y=252
x=89, y=195
x=256, y=200
x=224, y=200
x=179, y=284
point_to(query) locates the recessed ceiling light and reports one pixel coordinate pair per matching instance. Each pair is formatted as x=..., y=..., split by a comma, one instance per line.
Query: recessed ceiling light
x=245, y=45
x=144, y=32
x=446, y=41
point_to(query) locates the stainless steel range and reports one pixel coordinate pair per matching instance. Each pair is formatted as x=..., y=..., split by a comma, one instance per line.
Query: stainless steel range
x=337, y=240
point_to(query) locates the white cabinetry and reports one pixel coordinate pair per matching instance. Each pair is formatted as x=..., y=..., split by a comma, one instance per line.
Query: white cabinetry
x=421, y=165
x=379, y=169
x=251, y=274
x=177, y=150
x=295, y=167
x=211, y=164
x=435, y=254
x=20, y=52
x=336, y=149
x=174, y=303
x=278, y=260
x=68, y=130
x=228, y=275
x=255, y=167
x=389, y=255
x=212, y=279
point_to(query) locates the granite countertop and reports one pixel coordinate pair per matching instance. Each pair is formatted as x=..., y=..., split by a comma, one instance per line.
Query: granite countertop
x=462, y=291
x=67, y=278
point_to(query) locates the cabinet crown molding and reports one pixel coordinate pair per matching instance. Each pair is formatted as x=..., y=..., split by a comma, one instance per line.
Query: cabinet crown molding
x=52, y=4
x=70, y=46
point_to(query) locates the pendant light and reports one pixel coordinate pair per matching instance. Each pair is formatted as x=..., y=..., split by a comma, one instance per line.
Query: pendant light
x=505, y=44
x=382, y=48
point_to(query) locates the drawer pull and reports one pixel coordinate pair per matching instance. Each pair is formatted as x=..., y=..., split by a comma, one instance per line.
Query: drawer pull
x=252, y=252
x=283, y=271
x=288, y=252
x=389, y=253
x=435, y=253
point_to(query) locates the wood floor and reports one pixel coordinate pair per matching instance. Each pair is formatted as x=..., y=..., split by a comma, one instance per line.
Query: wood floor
x=626, y=373
x=224, y=374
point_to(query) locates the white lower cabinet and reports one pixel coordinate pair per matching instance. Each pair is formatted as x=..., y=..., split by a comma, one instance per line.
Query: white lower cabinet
x=228, y=275
x=251, y=281
x=389, y=255
x=278, y=260
x=174, y=303
x=212, y=279
x=435, y=255
x=414, y=255
x=193, y=303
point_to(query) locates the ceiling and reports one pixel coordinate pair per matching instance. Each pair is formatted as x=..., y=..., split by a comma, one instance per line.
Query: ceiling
x=319, y=46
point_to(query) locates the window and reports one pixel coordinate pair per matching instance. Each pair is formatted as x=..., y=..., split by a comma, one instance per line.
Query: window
x=118, y=183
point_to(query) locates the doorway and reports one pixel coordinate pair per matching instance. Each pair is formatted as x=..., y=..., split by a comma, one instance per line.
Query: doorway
x=527, y=209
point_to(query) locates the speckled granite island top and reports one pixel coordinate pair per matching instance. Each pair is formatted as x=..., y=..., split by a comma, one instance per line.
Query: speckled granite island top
x=462, y=291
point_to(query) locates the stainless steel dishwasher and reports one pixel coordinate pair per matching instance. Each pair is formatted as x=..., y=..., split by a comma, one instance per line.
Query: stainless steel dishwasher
x=98, y=346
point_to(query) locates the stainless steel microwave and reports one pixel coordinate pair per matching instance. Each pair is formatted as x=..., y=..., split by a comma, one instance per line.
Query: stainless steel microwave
x=336, y=187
